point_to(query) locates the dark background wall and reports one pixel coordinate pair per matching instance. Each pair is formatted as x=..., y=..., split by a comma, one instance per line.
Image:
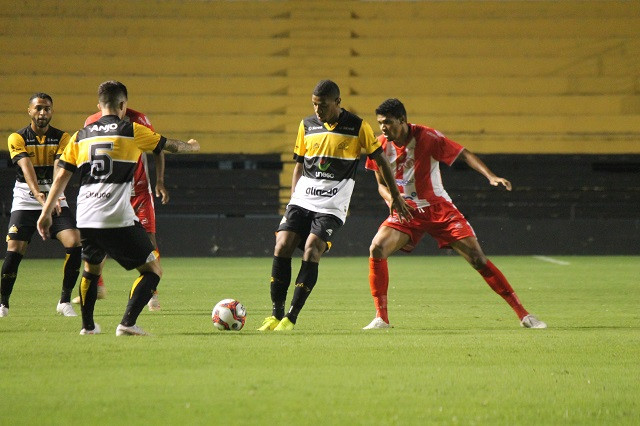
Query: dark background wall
x=228, y=205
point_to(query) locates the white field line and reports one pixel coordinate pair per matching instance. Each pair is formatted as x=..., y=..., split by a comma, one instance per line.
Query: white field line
x=551, y=260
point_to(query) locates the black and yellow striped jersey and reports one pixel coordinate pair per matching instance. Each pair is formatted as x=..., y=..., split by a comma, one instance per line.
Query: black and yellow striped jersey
x=43, y=152
x=106, y=152
x=330, y=156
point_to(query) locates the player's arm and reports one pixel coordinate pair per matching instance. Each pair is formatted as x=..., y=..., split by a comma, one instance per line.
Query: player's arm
x=29, y=173
x=177, y=146
x=478, y=165
x=58, y=208
x=391, y=194
x=297, y=174
x=161, y=191
x=57, y=188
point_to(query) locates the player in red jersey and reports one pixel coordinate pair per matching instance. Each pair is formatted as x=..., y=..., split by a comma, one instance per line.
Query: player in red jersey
x=414, y=153
x=141, y=194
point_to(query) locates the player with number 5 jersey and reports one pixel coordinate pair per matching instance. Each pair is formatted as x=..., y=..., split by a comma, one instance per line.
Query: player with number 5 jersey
x=106, y=153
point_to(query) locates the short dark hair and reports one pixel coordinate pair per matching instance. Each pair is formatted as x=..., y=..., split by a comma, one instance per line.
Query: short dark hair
x=40, y=95
x=327, y=88
x=392, y=108
x=111, y=93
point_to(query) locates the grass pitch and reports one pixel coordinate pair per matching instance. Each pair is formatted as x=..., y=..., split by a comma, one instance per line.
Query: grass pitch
x=456, y=355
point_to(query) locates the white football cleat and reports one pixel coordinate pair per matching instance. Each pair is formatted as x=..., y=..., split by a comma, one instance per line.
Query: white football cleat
x=134, y=330
x=4, y=311
x=66, y=309
x=376, y=324
x=96, y=330
x=154, y=304
x=531, y=321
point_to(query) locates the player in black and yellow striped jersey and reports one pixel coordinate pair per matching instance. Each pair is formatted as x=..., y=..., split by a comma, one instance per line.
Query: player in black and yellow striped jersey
x=106, y=153
x=36, y=149
x=327, y=152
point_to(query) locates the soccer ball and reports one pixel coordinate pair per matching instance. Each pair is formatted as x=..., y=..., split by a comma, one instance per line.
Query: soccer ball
x=228, y=314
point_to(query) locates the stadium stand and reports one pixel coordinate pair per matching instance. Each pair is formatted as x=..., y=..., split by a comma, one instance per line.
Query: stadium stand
x=508, y=79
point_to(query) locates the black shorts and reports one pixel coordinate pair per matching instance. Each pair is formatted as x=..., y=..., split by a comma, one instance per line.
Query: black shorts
x=304, y=222
x=23, y=223
x=129, y=246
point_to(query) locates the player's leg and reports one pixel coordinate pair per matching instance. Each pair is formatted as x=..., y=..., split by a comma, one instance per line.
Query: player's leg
x=64, y=229
x=132, y=249
x=141, y=292
x=94, y=259
x=470, y=250
x=144, y=208
x=286, y=243
x=293, y=227
x=386, y=242
x=22, y=226
x=16, y=250
x=154, y=302
x=323, y=228
x=305, y=281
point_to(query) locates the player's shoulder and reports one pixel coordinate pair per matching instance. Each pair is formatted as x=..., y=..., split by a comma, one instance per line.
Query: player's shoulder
x=23, y=133
x=138, y=117
x=421, y=132
x=347, y=117
x=92, y=118
x=55, y=133
x=382, y=139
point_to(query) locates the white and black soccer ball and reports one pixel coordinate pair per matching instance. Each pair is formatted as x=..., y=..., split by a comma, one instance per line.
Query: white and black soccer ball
x=229, y=314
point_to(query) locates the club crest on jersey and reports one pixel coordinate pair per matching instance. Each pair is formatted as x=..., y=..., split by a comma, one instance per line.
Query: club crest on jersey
x=324, y=165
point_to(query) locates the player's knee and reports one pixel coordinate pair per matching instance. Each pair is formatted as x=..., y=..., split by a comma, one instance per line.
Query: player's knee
x=477, y=260
x=157, y=269
x=376, y=251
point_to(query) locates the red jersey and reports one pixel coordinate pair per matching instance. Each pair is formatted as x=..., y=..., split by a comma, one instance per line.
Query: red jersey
x=417, y=164
x=141, y=183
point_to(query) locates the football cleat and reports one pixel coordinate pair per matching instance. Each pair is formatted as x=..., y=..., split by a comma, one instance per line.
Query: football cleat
x=284, y=325
x=531, y=321
x=154, y=304
x=377, y=323
x=65, y=309
x=134, y=330
x=269, y=323
x=4, y=311
x=96, y=330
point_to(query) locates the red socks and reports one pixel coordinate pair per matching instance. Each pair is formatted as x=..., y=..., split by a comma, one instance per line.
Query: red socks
x=379, y=284
x=498, y=283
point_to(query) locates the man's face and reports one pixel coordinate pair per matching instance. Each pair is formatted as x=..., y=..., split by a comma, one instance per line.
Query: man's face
x=327, y=110
x=391, y=127
x=40, y=110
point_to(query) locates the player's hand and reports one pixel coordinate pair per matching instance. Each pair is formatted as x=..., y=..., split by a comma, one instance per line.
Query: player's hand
x=162, y=193
x=41, y=198
x=44, y=223
x=500, y=181
x=58, y=208
x=195, y=145
x=400, y=208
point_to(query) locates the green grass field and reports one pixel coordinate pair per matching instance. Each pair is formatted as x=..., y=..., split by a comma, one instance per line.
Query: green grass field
x=457, y=354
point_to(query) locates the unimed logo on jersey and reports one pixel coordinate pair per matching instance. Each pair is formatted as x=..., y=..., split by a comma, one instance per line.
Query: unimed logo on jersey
x=103, y=127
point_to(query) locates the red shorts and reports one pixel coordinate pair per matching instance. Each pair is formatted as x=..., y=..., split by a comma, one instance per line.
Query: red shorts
x=442, y=221
x=145, y=210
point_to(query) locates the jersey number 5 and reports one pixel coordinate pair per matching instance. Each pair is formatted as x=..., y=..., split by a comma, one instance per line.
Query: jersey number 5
x=101, y=162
